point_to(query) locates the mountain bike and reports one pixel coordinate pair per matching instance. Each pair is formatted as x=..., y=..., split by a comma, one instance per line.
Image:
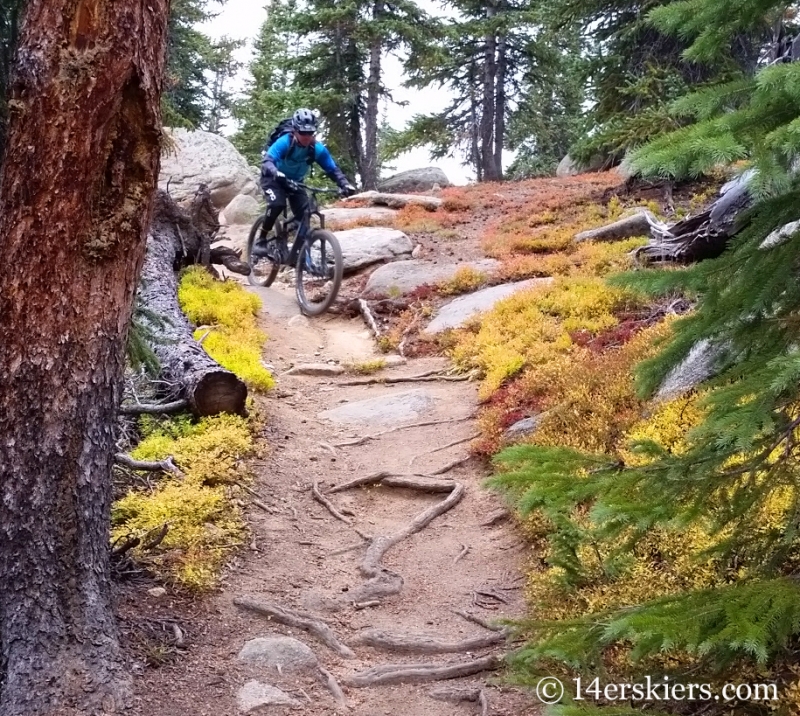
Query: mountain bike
x=319, y=265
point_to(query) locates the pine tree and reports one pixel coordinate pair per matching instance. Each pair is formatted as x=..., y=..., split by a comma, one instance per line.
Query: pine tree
x=189, y=58
x=736, y=479
x=222, y=66
x=481, y=58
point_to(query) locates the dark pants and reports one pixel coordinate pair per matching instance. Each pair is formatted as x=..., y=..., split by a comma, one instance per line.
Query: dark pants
x=276, y=195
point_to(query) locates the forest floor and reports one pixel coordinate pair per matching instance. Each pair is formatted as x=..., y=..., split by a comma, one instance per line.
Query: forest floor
x=463, y=556
x=298, y=556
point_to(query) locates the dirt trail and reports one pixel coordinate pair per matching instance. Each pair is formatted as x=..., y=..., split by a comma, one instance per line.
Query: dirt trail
x=296, y=556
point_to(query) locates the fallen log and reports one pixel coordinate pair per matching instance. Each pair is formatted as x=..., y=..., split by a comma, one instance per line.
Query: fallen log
x=636, y=225
x=175, y=242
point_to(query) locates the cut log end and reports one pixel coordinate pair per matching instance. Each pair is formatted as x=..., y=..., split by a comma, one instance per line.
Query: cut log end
x=218, y=392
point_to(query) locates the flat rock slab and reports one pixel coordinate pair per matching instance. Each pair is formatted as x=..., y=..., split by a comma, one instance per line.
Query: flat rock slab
x=397, y=201
x=402, y=277
x=254, y=695
x=365, y=246
x=371, y=213
x=284, y=651
x=385, y=410
x=456, y=313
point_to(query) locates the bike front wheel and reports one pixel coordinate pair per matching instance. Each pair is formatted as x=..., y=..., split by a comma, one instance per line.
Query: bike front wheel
x=262, y=270
x=320, y=268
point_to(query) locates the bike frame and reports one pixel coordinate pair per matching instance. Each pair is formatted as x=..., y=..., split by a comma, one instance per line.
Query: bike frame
x=303, y=227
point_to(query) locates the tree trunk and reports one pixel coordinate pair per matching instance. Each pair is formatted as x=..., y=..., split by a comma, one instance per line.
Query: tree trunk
x=369, y=177
x=487, y=115
x=209, y=388
x=474, y=123
x=500, y=104
x=76, y=186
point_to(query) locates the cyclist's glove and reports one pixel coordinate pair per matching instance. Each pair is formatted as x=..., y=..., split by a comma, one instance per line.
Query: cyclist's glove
x=346, y=189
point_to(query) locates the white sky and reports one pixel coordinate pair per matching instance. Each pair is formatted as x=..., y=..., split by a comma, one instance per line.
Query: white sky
x=242, y=19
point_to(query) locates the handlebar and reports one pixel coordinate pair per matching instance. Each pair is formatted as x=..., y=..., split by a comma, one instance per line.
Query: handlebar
x=316, y=189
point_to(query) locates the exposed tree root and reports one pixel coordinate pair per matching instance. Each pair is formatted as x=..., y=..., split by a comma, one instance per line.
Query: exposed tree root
x=312, y=625
x=457, y=694
x=417, y=673
x=424, y=643
x=423, y=483
x=425, y=423
x=495, y=517
x=444, y=447
x=166, y=465
x=153, y=408
x=383, y=582
x=319, y=497
x=432, y=375
x=333, y=686
x=369, y=319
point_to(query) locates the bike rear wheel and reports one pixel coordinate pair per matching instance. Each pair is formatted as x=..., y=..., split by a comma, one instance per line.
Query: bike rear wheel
x=262, y=270
x=320, y=268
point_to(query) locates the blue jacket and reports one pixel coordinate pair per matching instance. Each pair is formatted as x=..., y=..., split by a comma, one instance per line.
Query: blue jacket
x=289, y=157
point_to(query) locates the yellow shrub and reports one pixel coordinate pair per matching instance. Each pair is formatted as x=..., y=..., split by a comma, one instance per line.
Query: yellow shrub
x=464, y=280
x=234, y=340
x=202, y=523
x=206, y=301
x=533, y=327
x=209, y=452
x=367, y=367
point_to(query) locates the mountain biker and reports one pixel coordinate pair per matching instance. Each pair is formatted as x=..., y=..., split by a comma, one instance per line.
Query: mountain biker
x=287, y=162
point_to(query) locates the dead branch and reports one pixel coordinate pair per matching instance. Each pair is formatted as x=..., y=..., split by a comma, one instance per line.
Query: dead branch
x=333, y=686
x=154, y=537
x=166, y=465
x=444, y=447
x=451, y=465
x=257, y=502
x=153, y=408
x=416, y=673
x=463, y=553
x=369, y=319
x=345, y=550
x=424, y=643
x=364, y=605
x=411, y=326
x=287, y=617
x=424, y=423
x=477, y=620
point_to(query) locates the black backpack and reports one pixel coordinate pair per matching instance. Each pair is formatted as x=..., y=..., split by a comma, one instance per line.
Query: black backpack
x=285, y=126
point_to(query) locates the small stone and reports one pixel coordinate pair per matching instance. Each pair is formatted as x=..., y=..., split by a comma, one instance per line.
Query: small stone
x=416, y=252
x=253, y=695
x=292, y=655
x=523, y=427
x=157, y=592
x=298, y=320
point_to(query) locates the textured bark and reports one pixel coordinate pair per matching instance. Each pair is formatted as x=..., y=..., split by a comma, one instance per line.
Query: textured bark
x=487, y=115
x=77, y=179
x=207, y=386
x=500, y=102
x=369, y=177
